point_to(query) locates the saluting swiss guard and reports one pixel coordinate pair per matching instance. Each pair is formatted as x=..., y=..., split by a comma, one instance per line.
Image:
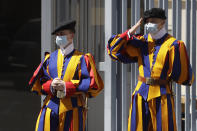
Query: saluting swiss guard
x=161, y=59
x=67, y=77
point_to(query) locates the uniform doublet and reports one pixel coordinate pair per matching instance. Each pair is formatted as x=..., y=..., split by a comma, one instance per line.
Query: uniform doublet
x=81, y=79
x=166, y=58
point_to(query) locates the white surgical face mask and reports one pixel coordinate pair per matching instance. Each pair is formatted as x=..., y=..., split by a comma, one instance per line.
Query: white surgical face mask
x=61, y=41
x=151, y=28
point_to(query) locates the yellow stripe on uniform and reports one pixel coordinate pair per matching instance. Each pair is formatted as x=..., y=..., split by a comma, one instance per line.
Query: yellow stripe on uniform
x=129, y=120
x=75, y=119
x=164, y=112
x=84, y=119
x=137, y=87
x=115, y=39
x=154, y=91
x=139, y=119
x=60, y=59
x=152, y=108
x=38, y=120
x=171, y=60
x=72, y=65
x=184, y=64
x=173, y=111
x=62, y=117
x=65, y=103
x=47, y=120
x=160, y=60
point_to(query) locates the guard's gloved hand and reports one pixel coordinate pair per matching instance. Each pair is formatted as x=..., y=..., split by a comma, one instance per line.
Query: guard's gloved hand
x=58, y=87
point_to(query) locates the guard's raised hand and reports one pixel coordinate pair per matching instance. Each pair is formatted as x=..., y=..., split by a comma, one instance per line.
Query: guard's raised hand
x=136, y=26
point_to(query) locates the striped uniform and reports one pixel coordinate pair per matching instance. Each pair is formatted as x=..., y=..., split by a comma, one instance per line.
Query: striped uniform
x=152, y=106
x=81, y=77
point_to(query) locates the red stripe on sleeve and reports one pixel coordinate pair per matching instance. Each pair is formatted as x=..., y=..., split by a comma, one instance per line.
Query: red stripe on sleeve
x=46, y=87
x=125, y=35
x=70, y=89
x=93, y=84
x=35, y=74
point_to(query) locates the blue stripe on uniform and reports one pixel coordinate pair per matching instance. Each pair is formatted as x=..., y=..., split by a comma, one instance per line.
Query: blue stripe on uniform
x=158, y=113
x=143, y=90
x=170, y=114
x=67, y=122
x=53, y=64
x=42, y=119
x=74, y=101
x=54, y=121
x=176, y=69
x=145, y=114
x=54, y=104
x=164, y=74
x=155, y=53
x=117, y=42
x=133, y=114
x=85, y=77
x=80, y=111
x=145, y=60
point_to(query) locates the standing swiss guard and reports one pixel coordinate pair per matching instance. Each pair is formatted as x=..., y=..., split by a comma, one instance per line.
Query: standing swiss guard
x=67, y=77
x=161, y=59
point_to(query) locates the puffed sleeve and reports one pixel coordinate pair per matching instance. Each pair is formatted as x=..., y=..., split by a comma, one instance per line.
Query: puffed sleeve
x=86, y=80
x=40, y=81
x=125, y=48
x=181, y=71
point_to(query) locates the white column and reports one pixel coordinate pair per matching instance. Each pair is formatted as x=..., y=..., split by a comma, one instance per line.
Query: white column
x=46, y=28
x=109, y=68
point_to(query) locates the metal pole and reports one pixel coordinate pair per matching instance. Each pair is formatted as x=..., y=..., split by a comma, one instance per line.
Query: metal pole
x=146, y=5
x=187, y=89
x=178, y=87
x=165, y=7
x=137, y=13
x=151, y=4
x=132, y=65
x=137, y=17
x=124, y=71
x=91, y=25
x=160, y=3
x=81, y=28
x=174, y=17
x=85, y=31
x=193, y=52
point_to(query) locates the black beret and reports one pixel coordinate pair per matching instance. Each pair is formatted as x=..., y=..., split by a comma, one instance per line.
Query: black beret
x=154, y=13
x=69, y=25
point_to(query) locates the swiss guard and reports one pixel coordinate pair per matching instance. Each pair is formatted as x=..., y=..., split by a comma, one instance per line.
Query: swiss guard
x=161, y=59
x=67, y=77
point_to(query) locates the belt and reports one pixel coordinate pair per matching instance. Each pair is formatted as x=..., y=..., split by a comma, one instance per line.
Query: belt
x=153, y=81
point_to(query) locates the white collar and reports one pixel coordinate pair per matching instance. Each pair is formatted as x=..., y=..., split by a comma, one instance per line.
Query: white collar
x=67, y=50
x=159, y=34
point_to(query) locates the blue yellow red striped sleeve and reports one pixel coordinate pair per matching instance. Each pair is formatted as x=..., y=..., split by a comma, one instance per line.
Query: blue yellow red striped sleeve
x=89, y=80
x=96, y=83
x=179, y=61
x=123, y=48
x=40, y=82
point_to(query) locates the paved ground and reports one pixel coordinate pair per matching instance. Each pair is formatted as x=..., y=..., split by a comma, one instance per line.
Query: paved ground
x=18, y=110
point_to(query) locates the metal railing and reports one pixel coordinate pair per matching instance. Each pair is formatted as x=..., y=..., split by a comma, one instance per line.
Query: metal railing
x=181, y=25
